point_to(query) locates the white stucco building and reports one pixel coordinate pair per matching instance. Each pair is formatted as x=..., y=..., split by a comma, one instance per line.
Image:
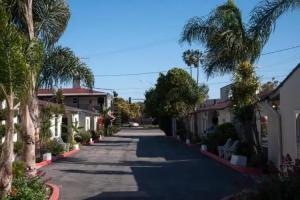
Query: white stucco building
x=281, y=113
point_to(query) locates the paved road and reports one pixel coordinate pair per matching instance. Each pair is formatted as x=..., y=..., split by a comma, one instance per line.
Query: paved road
x=142, y=164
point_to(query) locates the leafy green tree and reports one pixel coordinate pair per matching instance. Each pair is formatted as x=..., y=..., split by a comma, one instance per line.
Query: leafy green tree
x=13, y=81
x=231, y=46
x=269, y=86
x=175, y=94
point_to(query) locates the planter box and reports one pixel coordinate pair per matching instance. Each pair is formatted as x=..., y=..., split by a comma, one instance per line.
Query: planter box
x=100, y=137
x=203, y=147
x=75, y=146
x=238, y=160
x=47, y=156
x=188, y=141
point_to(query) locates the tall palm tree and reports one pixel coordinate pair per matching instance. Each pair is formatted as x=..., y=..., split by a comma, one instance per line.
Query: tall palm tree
x=61, y=66
x=187, y=58
x=192, y=58
x=231, y=47
x=37, y=19
x=265, y=15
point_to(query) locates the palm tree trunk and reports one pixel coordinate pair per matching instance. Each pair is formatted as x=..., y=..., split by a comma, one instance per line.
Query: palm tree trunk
x=191, y=71
x=29, y=140
x=29, y=18
x=29, y=110
x=7, y=151
x=198, y=76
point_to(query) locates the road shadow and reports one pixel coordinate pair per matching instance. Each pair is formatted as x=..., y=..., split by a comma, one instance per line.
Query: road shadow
x=176, y=172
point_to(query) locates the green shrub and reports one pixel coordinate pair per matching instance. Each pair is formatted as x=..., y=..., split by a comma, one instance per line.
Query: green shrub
x=115, y=129
x=220, y=136
x=108, y=131
x=94, y=134
x=27, y=189
x=83, y=137
x=54, y=147
x=18, y=147
x=18, y=169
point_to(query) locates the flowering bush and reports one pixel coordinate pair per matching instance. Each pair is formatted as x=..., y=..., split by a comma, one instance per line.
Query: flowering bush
x=282, y=184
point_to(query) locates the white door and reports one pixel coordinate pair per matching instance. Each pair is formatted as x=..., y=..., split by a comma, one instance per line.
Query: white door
x=298, y=133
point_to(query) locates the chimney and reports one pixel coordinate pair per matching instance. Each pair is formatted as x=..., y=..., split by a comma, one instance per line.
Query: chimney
x=76, y=83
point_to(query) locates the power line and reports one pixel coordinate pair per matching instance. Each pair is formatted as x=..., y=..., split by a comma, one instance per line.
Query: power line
x=281, y=50
x=157, y=72
x=134, y=48
x=133, y=74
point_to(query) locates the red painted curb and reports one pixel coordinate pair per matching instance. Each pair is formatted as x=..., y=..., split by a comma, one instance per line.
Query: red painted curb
x=43, y=163
x=55, y=191
x=244, y=170
x=228, y=197
x=66, y=154
x=48, y=162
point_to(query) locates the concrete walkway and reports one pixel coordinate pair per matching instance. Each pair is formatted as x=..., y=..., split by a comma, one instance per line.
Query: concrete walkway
x=142, y=164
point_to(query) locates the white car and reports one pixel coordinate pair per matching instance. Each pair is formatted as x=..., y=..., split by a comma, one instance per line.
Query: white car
x=133, y=124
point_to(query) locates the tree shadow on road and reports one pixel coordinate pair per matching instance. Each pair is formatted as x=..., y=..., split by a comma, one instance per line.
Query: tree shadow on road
x=178, y=172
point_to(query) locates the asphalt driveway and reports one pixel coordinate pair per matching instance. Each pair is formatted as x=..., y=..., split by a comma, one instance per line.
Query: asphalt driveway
x=142, y=164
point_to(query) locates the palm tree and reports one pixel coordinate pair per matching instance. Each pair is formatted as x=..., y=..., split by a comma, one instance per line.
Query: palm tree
x=13, y=80
x=45, y=20
x=265, y=15
x=187, y=58
x=192, y=58
x=62, y=66
x=231, y=46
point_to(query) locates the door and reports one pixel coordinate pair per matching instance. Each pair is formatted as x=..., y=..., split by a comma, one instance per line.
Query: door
x=298, y=134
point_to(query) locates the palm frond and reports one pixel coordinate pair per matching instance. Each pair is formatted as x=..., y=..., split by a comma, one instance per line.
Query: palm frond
x=51, y=18
x=224, y=36
x=61, y=66
x=264, y=16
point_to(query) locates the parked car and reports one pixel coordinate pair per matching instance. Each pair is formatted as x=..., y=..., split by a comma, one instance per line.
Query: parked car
x=133, y=124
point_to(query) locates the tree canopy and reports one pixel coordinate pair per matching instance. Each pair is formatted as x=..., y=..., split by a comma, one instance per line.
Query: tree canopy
x=175, y=94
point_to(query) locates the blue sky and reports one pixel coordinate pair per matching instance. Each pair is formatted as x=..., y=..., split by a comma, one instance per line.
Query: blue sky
x=133, y=36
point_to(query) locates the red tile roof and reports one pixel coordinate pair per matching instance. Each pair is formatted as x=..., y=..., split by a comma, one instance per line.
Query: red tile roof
x=217, y=106
x=70, y=91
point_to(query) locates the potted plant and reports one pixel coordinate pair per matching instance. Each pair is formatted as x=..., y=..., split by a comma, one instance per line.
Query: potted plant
x=203, y=147
x=238, y=160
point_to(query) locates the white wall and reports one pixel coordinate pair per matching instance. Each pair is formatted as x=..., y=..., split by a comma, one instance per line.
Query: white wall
x=94, y=123
x=87, y=126
x=56, y=124
x=289, y=105
x=225, y=116
x=273, y=129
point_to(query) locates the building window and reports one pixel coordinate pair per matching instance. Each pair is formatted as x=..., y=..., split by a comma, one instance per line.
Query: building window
x=75, y=100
